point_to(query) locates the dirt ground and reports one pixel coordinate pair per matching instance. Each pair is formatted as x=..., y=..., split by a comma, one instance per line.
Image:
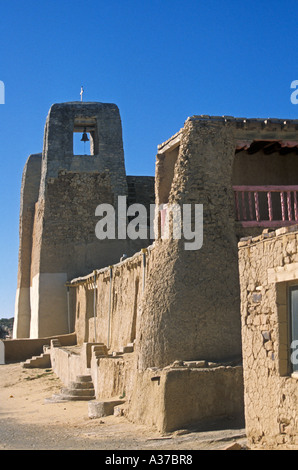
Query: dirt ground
x=28, y=421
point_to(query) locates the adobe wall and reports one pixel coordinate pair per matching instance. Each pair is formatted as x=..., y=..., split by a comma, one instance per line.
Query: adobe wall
x=18, y=350
x=166, y=398
x=267, y=265
x=185, y=325
x=175, y=397
x=192, y=308
x=186, y=393
x=119, y=291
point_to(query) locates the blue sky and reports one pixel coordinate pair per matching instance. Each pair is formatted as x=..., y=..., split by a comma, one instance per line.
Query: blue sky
x=159, y=61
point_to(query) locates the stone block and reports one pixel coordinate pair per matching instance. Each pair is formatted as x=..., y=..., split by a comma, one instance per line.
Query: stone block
x=269, y=345
x=98, y=409
x=119, y=410
x=233, y=446
x=256, y=297
x=266, y=335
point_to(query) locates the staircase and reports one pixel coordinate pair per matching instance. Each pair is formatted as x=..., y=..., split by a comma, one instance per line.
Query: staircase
x=80, y=390
x=43, y=361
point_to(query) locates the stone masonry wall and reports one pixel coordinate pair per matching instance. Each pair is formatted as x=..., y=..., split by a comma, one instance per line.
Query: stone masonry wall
x=267, y=266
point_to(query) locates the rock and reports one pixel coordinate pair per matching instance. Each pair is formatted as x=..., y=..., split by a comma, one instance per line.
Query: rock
x=233, y=446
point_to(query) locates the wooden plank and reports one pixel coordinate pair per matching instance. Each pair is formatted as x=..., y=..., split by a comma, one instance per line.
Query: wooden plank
x=237, y=205
x=257, y=209
x=295, y=205
x=270, y=210
x=289, y=205
x=250, y=206
x=243, y=206
x=283, y=206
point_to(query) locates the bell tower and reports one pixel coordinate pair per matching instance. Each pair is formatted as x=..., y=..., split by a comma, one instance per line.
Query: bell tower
x=60, y=192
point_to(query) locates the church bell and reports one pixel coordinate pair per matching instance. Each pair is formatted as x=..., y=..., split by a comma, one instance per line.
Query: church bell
x=84, y=136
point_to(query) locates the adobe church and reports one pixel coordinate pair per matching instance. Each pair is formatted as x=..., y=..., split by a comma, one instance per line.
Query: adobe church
x=161, y=327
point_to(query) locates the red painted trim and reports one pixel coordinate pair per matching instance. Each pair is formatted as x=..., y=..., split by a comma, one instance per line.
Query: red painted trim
x=266, y=188
x=267, y=223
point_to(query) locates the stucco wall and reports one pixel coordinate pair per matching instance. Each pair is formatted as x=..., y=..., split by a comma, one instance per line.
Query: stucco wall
x=267, y=265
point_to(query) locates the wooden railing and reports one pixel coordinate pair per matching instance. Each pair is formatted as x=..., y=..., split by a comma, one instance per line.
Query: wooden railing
x=266, y=206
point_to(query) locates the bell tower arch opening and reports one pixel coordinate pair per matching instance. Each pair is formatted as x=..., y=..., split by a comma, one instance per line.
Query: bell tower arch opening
x=85, y=136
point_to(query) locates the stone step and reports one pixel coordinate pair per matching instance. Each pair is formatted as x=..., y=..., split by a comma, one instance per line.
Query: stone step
x=81, y=389
x=56, y=398
x=100, y=350
x=39, y=362
x=75, y=392
x=83, y=378
x=74, y=398
x=81, y=385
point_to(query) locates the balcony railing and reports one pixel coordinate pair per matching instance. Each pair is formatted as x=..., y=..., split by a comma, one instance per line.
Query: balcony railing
x=266, y=206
